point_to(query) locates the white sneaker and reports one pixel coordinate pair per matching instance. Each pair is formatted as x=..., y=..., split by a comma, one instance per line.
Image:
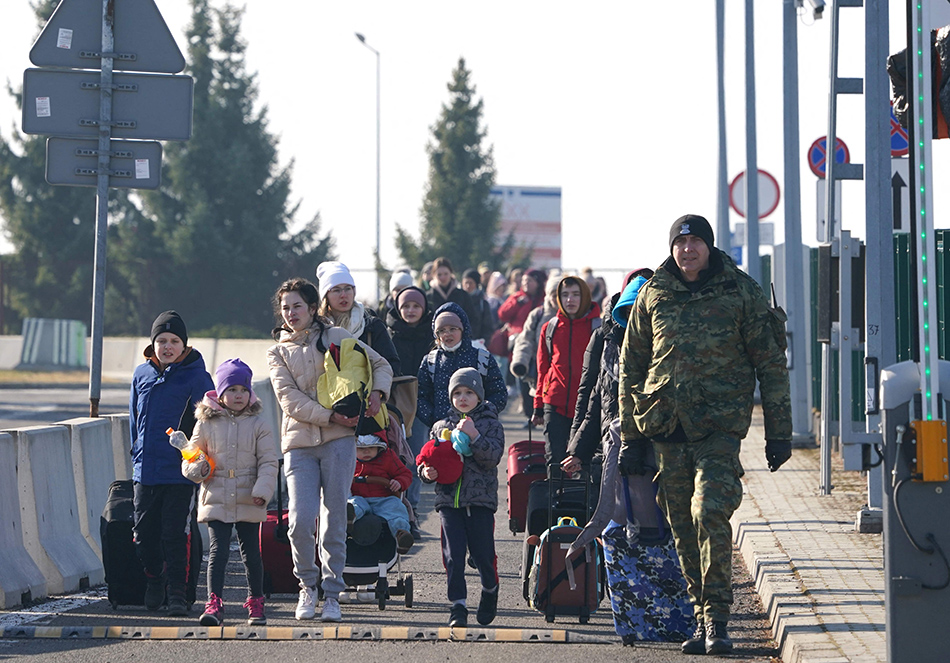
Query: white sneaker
x=307, y=603
x=331, y=610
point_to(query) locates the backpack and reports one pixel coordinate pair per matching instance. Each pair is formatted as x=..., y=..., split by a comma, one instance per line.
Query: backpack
x=346, y=383
x=484, y=361
x=595, y=323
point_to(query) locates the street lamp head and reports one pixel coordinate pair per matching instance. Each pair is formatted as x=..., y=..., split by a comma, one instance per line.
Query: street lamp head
x=360, y=37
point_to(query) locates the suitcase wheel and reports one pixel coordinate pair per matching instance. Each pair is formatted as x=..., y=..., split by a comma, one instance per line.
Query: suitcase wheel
x=584, y=617
x=549, y=614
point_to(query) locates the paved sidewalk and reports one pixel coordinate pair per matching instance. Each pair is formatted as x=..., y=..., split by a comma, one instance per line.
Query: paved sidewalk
x=821, y=582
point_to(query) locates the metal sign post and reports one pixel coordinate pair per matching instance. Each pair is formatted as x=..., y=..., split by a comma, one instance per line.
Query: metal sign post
x=63, y=103
x=102, y=206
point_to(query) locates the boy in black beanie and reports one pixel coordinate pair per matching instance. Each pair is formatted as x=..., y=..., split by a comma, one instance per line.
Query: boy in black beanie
x=165, y=390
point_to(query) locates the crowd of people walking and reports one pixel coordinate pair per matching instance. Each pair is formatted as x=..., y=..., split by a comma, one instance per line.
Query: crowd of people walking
x=660, y=372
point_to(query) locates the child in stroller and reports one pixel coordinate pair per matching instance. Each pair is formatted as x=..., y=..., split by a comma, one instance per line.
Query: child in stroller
x=377, y=523
x=378, y=480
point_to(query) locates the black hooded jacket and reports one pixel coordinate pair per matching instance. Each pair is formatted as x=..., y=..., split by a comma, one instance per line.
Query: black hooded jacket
x=412, y=342
x=597, y=397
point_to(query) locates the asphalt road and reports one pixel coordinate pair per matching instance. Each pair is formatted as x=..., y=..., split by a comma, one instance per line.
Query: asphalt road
x=749, y=626
x=27, y=405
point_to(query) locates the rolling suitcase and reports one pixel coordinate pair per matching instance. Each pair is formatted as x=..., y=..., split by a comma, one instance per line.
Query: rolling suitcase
x=276, y=555
x=561, y=586
x=123, y=570
x=555, y=496
x=549, y=583
x=124, y=575
x=525, y=466
x=647, y=590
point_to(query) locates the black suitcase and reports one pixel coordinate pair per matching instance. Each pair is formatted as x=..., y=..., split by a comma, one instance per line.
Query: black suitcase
x=576, y=498
x=124, y=575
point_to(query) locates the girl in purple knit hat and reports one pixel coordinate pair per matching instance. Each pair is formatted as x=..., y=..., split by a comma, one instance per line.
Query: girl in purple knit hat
x=231, y=431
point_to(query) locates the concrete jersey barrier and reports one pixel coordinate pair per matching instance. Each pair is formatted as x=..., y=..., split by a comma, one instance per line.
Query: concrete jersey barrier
x=93, y=471
x=51, y=531
x=21, y=580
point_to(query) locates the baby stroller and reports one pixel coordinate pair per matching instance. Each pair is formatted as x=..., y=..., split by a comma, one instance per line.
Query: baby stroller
x=370, y=547
x=370, y=555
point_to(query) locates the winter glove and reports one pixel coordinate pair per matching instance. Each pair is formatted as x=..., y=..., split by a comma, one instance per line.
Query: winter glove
x=633, y=456
x=460, y=442
x=777, y=452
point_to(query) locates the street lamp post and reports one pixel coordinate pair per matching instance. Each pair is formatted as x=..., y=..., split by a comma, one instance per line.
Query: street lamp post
x=377, y=261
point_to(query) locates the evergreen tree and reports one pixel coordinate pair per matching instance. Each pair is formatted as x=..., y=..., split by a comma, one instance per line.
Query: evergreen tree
x=222, y=217
x=52, y=230
x=459, y=218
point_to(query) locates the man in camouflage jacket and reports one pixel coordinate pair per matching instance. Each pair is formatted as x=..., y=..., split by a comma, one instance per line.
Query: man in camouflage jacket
x=700, y=334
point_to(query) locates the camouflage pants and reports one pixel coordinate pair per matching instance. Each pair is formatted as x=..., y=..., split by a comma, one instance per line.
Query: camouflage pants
x=699, y=489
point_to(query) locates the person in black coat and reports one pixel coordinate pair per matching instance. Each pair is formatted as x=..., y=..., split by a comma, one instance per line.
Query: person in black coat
x=410, y=324
x=598, y=401
x=444, y=288
x=486, y=321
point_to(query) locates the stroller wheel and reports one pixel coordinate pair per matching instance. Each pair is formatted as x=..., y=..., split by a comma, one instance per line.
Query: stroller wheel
x=408, y=586
x=382, y=591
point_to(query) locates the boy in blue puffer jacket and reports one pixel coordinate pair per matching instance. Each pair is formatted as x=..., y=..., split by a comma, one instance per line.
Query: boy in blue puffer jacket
x=467, y=506
x=165, y=391
x=454, y=350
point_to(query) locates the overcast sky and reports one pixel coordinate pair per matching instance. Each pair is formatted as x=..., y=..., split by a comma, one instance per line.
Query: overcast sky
x=614, y=102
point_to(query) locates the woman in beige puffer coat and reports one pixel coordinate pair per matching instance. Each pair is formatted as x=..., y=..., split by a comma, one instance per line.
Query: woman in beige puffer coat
x=319, y=444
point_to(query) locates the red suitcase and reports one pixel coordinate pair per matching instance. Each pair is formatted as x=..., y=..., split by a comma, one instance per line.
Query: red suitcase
x=278, y=562
x=525, y=466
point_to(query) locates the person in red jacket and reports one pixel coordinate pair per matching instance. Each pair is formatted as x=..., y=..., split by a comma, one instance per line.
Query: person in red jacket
x=512, y=314
x=560, y=363
x=516, y=308
x=377, y=481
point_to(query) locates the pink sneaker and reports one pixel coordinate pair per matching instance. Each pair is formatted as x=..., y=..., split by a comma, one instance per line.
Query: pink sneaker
x=255, y=610
x=214, y=612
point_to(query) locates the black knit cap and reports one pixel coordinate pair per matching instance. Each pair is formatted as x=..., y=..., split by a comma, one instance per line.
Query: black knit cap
x=692, y=224
x=171, y=322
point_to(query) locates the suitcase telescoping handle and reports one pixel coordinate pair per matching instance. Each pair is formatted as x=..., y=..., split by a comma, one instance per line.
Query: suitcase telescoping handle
x=585, y=476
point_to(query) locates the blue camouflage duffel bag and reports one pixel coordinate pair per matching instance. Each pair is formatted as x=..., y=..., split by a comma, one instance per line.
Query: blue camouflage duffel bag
x=647, y=589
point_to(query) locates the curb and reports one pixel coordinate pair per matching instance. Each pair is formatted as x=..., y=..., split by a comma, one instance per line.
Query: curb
x=796, y=625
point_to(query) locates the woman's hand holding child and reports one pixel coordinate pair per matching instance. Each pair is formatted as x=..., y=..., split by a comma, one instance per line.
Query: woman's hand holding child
x=429, y=473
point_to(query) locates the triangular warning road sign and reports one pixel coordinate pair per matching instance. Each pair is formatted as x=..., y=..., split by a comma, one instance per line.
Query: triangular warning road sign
x=73, y=38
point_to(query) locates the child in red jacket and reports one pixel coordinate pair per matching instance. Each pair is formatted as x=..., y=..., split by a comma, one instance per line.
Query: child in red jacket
x=379, y=478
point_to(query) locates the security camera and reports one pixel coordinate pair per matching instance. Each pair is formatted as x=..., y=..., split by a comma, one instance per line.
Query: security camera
x=817, y=7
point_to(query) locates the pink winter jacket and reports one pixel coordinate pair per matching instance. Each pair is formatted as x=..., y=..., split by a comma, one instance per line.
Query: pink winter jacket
x=244, y=452
x=295, y=366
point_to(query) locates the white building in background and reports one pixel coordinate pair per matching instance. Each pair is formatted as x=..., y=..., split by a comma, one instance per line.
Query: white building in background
x=533, y=214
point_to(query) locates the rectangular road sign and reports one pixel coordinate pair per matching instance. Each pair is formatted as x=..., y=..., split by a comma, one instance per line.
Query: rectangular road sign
x=66, y=103
x=135, y=164
x=73, y=38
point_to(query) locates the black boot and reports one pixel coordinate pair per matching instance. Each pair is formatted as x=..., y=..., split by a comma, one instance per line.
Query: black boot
x=177, y=602
x=697, y=643
x=487, y=607
x=154, y=592
x=717, y=639
x=458, y=615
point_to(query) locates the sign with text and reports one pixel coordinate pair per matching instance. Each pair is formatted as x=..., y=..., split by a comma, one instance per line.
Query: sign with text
x=134, y=164
x=66, y=103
